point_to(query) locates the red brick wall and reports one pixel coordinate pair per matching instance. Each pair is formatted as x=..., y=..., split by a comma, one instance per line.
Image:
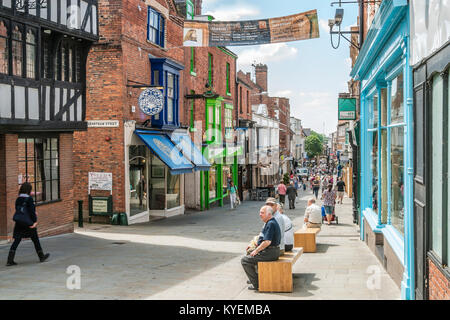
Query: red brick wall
x=121, y=56
x=197, y=83
x=439, y=285
x=53, y=218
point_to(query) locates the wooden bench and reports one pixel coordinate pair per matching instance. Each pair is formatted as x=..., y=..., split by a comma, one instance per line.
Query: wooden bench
x=306, y=238
x=276, y=276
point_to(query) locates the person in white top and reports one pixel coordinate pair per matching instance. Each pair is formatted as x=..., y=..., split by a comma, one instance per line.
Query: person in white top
x=313, y=215
x=272, y=202
x=288, y=230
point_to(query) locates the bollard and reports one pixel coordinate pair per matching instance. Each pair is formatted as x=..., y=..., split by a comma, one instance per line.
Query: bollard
x=80, y=213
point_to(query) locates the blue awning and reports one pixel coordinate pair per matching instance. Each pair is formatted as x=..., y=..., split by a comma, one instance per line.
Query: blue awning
x=164, y=149
x=190, y=150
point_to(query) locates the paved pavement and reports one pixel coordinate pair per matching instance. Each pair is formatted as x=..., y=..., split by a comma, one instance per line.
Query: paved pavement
x=194, y=256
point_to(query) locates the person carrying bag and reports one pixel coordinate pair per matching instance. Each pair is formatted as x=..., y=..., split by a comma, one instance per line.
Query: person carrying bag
x=25, y=219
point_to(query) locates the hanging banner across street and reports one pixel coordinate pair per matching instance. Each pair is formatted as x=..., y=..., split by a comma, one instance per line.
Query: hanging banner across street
x=295, y=27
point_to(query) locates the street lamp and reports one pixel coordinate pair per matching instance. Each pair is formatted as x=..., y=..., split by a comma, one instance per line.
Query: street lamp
x=337, y=21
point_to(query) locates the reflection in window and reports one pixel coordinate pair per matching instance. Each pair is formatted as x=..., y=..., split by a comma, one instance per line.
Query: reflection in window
x=4, y=47
x=212, y=183
x=31, y=54
x=157, y=188
x=374, y=118
x=170, y=96
x=384, y=149
x=397, y=109
x=397, y=183
x=374, y=157
x=17, y=52
x=226, y=171
x=39, y=165
x=173, y=191
x=437, y=159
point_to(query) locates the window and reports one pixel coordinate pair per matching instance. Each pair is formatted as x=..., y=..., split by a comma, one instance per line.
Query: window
x=437, y=134
x=240, y=100
x=67, y=62
x=228, y=121
x=210, y=70
x=248, y=103
x=4, y=47
x=228, y=78
x=31, y=49
x=386, y=134
x=190, y=10
x=46, y=56
x=155, y=32
x=39, y=165
x=170, y=96
x=17, y=50
x=192, y=107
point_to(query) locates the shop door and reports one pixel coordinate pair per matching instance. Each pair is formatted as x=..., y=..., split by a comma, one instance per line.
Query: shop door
x=138, y=180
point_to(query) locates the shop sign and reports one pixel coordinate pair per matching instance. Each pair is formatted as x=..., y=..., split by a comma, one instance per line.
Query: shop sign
x=103, y=123
x=100, y=181
x=151, y=101
x=299, y=26
x=100, y=206
x=346, y=109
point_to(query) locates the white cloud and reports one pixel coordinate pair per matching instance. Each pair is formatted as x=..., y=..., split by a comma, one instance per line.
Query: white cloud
x=323, y=24
x=233, y=13
x=283, y=93
x=266, y=53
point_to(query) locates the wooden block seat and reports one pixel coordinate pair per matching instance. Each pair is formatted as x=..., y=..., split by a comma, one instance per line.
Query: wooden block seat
x=306, y=239
x=276, y=276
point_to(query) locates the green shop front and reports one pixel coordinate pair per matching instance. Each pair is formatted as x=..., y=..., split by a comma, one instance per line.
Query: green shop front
x=221, y=152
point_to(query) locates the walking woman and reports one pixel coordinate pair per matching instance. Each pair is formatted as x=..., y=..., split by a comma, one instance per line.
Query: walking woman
x=329, y=200
x=25, y=201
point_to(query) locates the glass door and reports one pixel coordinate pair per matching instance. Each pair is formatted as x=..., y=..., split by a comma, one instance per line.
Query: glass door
x=138, y=179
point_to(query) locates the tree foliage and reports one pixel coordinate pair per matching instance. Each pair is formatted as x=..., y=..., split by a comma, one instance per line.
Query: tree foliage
x=313, y=146
x=319, y=135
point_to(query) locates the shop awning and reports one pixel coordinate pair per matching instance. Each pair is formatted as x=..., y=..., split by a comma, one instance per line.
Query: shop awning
x=165, y=150
x=190, y=151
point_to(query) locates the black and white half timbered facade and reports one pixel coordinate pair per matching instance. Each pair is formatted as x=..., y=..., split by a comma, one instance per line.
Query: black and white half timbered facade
x=43, y=50
x=44, y=46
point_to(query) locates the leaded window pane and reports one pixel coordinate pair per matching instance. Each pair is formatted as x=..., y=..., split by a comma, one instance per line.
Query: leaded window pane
x=4, y=47
x=17, y=51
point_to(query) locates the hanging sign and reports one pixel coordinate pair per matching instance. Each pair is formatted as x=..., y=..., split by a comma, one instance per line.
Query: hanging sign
x=151, y=101
x=251, y=32
x=346, y=109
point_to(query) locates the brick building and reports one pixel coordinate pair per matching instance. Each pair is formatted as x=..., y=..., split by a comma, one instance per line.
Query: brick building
x=42, y=86
x=140, y=47
x=209, y=108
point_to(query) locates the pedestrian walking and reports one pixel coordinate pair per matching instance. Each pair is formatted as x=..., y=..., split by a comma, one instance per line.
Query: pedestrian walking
x=25, y=224
x=316, y=186
x=141, y=189
x=292, y=194
x=324, y=183
x=233, y=192
x=340, y=189
x=329, y=200
x=282, y=192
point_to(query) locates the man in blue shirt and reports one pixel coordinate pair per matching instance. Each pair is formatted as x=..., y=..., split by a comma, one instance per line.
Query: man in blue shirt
x=268, y=246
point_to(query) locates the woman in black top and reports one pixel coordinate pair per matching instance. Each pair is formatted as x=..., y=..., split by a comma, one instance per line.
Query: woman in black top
x=24, y=231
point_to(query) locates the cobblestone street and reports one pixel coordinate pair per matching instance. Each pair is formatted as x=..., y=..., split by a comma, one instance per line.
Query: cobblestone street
x=194, y=256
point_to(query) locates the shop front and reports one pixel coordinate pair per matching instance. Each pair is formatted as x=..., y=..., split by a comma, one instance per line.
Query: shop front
x=386, y=195
x=157, y=163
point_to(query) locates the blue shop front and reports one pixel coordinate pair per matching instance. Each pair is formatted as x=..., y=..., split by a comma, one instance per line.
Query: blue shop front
x=387, y=143
x=158, y=156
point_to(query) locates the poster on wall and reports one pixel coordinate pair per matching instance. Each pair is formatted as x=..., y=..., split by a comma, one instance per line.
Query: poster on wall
x=295, y=27
x=100, y=181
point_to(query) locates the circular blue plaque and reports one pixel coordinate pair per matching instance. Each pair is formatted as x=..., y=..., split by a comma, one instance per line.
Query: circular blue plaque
x=151, y=101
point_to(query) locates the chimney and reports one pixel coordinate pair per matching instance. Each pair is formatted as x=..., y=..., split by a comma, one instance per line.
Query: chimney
x=198, y=7
x=261, y=76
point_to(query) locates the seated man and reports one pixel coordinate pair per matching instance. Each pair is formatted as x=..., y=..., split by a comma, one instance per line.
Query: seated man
x=268, y=246
x=288, y=230
x=272, y=202
x=313, y=215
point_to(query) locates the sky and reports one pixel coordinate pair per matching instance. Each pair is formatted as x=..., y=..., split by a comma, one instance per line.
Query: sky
x=308, y=72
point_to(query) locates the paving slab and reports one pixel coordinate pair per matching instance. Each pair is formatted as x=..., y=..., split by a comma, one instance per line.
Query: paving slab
x=193, y=256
